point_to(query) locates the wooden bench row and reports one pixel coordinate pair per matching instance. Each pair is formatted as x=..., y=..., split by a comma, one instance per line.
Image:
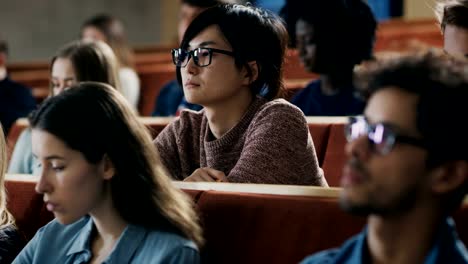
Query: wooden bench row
x=242, y=223
x=327, y=134
x=154, y=66
x=154, y=70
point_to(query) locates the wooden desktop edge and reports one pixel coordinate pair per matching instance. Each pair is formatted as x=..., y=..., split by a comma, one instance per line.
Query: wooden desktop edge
x=294, y=190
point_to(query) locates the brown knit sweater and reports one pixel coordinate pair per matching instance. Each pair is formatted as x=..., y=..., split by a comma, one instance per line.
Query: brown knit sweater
x=271, y=144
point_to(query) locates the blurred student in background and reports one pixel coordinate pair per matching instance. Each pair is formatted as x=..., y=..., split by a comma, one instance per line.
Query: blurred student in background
x=109, y=29
x=453, y=19
x=332, y=37
x=16, y=100
x=75, y=62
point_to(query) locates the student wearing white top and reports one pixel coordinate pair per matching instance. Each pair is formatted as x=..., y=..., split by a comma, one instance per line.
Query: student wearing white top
x=111, y=30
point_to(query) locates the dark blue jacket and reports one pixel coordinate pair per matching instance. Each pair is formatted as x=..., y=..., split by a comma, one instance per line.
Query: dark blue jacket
x=16, y=101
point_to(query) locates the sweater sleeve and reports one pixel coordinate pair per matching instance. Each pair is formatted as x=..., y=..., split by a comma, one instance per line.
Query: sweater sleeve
x=166, y=144
x=278, y=149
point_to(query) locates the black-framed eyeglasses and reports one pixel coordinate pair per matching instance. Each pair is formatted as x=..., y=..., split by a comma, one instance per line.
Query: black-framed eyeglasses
x=201, y=56
x=381, y=136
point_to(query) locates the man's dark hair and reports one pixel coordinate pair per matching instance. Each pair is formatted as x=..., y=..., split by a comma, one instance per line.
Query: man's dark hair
x=441, y=85
x=452, y=12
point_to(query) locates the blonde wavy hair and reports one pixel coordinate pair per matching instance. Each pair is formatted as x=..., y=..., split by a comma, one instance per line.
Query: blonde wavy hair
x=6, y=218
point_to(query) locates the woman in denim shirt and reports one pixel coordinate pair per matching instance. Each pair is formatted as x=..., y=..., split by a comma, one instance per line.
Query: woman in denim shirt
x=104, y=182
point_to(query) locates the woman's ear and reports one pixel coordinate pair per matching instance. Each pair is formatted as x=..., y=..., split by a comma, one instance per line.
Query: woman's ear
x=252, y=75
x=108, y=168
x=449, y=177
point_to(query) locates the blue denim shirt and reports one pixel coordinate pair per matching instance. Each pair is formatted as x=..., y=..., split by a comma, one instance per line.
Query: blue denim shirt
x=57, y=243
x=447, y=248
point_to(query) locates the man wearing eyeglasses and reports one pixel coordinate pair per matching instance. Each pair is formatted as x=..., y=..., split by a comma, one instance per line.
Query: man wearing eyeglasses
x=407, y=165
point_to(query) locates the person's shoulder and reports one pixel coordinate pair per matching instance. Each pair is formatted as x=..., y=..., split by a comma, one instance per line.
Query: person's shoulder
x=168, y=241
x=17, y=87
x=322, y=257
x=172, y=248
x=128, y=72
x=190, y=118
x=10, y=234
x=11, y=243
x=172, y=84
x=187, y=122
x=59, y=232
x=280, y=107
x=349, y=252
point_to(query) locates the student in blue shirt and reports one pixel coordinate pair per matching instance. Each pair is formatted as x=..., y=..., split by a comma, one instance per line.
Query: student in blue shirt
x=332, y=37
x=407, y=165
x=104, y=182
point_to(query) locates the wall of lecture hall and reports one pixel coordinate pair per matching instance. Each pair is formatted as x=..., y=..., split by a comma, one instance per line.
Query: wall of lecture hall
x=35, y=29
x=414, y=9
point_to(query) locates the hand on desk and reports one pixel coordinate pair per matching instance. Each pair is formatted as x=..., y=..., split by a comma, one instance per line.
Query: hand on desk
x=207, y=175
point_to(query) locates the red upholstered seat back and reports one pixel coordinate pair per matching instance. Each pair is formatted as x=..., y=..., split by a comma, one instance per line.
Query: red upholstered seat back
x=320, y=133
x=335, y=156
x=262, y=228
x=27, y=207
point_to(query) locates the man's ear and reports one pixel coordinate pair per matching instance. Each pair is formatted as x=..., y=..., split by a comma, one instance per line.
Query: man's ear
x=250, y=77
x=449, y=177
x=108, y=168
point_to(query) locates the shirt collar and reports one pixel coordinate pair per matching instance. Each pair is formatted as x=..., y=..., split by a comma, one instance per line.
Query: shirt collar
x=124, y=249
x=130, y=239
x=360, y=253
x=447, y=247
x=81, y=243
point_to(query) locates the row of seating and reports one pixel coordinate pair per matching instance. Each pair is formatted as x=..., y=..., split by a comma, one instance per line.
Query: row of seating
x=243, y=223
x=154, y=70
x=327, y=133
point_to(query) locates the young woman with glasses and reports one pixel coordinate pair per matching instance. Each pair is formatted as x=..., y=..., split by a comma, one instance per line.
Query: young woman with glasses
x=230, y=62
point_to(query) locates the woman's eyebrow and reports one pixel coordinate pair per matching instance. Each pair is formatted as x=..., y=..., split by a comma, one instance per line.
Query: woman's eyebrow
x=205, y=43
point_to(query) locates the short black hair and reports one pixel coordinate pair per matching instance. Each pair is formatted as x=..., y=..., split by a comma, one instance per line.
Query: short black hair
x=255, y=34
x=452, y=12
x=344, y=30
